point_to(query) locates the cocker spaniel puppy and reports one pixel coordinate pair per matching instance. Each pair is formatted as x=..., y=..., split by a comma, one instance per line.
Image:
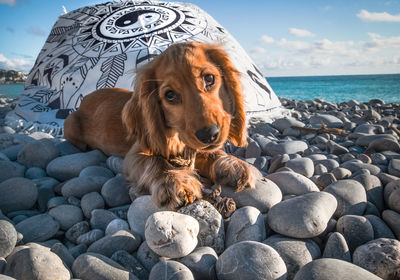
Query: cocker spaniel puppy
x=186, y=104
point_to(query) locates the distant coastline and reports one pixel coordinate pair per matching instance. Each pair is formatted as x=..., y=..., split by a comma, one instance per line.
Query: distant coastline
x=8, y=77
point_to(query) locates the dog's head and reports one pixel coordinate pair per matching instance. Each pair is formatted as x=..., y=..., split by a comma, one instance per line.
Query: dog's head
x=190, y=93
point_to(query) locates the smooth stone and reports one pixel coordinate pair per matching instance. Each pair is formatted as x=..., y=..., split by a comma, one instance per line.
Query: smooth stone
x=109, y=244
x=371, y=209
x=320, y=169
x=56, y=201
x=245, y=224
x=329, y=120
x=285, y=123
x=78, y=250
x=72, y=200
x=201, y=262
x=116, y=225
x=94, y=171
x=285, y=147
x=63, y=253
x=146, y=256
x=35, y=173
x=350, y=195
x=394, y=200
x=130, y=263
x=66, y=215
x=341, y=173
x=355, y=165
x=325, y=180
x=66, y=148
x=277, y=162
x=12, y=151
x=347, y=157
x=253, y=150
x=330, y=164
x=90, y=266
x=303, y=216
x=91, y=201
x=373, y=188
x=389, y=188
x=101, y=218
x=261, y=163
x=36, y=263
x=17, y=194
x=394, y=167
x=115, y=191
x=263, y=196
x=38, y=153
x=171, y=234
x=380, y=145
x=380, y=256
x=121, y=211
x=303, y=166
x=250, y=260
x=80, y=186
x=8, y=238
x=69, y=166
x=336, y=248
x=369, y=129
x=292, y=183
x=333, y=269
x=392, y=219
x=10, y=169
x=381, y=230
x=140, y=209
x=77, y=230
x=378, y=158
x=211, y=230
x=365, y=140
x=336, y=149
x=171, y=270
x=90, y=237
x=115, y=164
x=295, y=252
x=38, y=228
x=357, y=230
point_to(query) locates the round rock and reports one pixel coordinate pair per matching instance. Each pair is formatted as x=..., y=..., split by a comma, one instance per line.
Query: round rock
x=8, y=238
x=211, y=231
x=17, y=194
x=329, y=120
x=121, y=240
x=336, y=248
x=91, y=201
x=147, y=256
x=303, y=166
x=90, y=237
x=10, y=169
x=80, y=186
x=394, y=167
x=201, y=263
x=115, y=191
x=350, y=195
x=303, y=216
x=38, y=153
x=292, y=183
x=77, y=230
x=250, y=260
x=116, y=225
x=94, y=171
x=381, y=257
x=66, y=215
x=246, y=223
x=38, y=228
x=140, y=209
x=285, y=147
x=171, y=270
x=392, y=219
x=171, y=234
x=357, y=230
x=100, y=218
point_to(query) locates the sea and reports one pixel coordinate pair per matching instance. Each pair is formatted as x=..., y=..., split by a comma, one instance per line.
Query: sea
x=330, y=88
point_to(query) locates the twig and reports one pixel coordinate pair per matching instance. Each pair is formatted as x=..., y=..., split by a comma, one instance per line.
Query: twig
x=323, y=129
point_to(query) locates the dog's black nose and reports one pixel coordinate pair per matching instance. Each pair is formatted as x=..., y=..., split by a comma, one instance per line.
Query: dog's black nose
x=208, y=134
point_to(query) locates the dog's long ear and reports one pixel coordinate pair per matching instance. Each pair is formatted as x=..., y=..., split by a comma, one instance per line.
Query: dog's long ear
x=142, y=114
x=232, y=85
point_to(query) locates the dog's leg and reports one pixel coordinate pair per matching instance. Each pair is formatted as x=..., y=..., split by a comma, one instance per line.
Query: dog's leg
x=226, y=170
x=73, y=131
x=169, y=186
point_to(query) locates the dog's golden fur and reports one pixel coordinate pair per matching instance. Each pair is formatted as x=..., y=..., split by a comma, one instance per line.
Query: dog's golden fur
x=156, y=131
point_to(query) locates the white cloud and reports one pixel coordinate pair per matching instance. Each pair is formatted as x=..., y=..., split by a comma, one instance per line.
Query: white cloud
x=9, y=2
x=384, y=16
x=17, y=64
x=259, y=50
x=300, y=32
x=378, y=42
x=267, y=39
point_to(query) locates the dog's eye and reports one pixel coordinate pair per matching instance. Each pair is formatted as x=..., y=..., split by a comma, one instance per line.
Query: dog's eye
x=172, y=97
x=209, y=80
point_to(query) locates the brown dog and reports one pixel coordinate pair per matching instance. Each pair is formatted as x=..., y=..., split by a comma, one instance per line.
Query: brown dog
x=186, y=104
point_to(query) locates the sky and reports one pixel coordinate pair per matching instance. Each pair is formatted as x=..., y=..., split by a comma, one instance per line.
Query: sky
x=284, y=38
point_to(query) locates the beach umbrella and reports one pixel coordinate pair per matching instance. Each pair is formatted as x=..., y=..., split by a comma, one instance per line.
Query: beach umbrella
x=102, y=46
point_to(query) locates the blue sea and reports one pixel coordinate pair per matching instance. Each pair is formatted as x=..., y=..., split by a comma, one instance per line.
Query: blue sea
x=330, y=88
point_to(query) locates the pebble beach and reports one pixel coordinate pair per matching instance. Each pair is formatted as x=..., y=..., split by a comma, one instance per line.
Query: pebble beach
x=327, y=207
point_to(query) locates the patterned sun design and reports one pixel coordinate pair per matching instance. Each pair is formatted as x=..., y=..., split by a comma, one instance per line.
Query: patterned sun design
x=109, y=29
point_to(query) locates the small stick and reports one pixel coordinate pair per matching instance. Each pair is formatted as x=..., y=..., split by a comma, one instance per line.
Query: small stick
x=323, y=129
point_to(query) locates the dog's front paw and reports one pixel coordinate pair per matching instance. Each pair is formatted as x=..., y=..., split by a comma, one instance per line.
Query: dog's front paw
x=235, y=173
x=177, y=188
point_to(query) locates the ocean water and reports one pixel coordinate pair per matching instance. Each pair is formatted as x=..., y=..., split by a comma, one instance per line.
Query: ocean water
x=330, y=88
x=339, y=88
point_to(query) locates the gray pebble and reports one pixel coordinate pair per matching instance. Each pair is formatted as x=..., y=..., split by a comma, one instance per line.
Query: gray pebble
x=94, y=171
x=320, y=169
x=341, y=173
x=8, y=238
x=116, y=225
x=101, y=218
x=265, y=195
x=78, y=250
x=246, y=223
x=394, y=167
x=394, y=200
x=115, y=164
x=66, y=148
x=357, y=230
x=146, y=256
x=355, y=165
x=261, y=163
x=38, y=228
x=63, y=253
x=373, y=188
x=17, y=194
x=69, y=166
x=304, y=216
x=201, y=263
x=66, y=215
x=285, y=123
x=80, y=186
x=55, y=201
x=250, y=260
x=329, y=120
x=392, y=219
x=253, y=150
x=12, y=151
x=389, y=188
x=336, y=248
x=335, y=148
x=77, y=230
x=381, y=230
x=91, y=201
x=333, y=269
x=292, y=183
x=330, y=164
x=130, y=263
x=371, y=209
x=350, y=195
x=303, y=166
x=38, y=153
x=115, y=191
x=211, y=230
x=285, y=147
x=277, y=162
x=90, y=237
x=140, y=209
x=35, y=173
x=171, y=270
x=325, y=180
